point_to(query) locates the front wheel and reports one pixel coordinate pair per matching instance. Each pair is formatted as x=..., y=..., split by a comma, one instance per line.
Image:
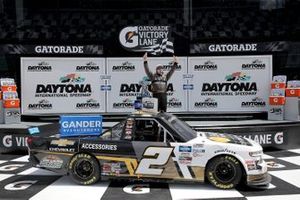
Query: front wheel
x=84, y=169
x=224, y=172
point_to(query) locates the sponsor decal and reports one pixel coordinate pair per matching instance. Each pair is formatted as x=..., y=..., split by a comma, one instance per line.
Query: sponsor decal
x=227, y=138
x=137, y=189
x=88, y=67
x=251, y=164
x=174, y=103
x=148, y=105
x=198, y=150
x=188, y=86
x=237, y=83
x=225, y=151
x=105, y=87
x=43, y=104
x=12, y=113
x=111, y=169
x=185, y=158
x=255, y=65
x=128, y=129
x=71, y=86
x=232, y=47
x=59, y=49
x=61, y=149
x=255, y=102
x=20, y=185
x=10, y=141
x=206, y=66
x=267, y=138
x=105, y=77
x=152, y=39
x=89, y=104
x=276, y=111
x=62, y=142
x=207, y=103
x=80, y=125
x=188, y=76
x=104, y=147
x=220, y=139
x=124, y=67
x=185, y=148
x=126, y=103
x=33, y=130
x=40, y=67
x=51, y=161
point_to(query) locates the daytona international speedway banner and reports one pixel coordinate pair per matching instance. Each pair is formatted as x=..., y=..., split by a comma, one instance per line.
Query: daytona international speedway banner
x=231, y=83
x=127, y=79
x=62, y=85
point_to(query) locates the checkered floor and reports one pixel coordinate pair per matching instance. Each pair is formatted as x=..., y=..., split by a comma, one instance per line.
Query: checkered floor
x=20, y=181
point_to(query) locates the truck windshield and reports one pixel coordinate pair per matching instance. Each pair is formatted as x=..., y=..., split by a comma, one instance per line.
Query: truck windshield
x=182, y=128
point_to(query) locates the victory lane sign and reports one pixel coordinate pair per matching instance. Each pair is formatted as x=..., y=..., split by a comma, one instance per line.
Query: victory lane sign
x=152, y=39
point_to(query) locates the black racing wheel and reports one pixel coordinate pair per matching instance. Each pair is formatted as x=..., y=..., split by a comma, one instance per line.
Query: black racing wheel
x=84, y=169
x=224, y=172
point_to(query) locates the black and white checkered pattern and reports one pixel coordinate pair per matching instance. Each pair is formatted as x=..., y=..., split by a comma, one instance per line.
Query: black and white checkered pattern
x=165, y=46
x=284, y=169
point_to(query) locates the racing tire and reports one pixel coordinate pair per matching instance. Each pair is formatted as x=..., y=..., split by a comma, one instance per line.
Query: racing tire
x=224, y=172
x=84, y=169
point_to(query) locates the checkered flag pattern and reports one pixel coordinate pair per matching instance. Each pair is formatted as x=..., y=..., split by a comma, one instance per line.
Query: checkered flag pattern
x=19, y=180
x=165, y=46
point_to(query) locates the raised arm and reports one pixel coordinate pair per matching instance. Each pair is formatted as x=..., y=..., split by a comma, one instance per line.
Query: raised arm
x=146, y=67
x=175, y=63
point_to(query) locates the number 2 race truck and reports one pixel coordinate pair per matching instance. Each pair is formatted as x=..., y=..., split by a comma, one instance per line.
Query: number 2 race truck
x=153, y=147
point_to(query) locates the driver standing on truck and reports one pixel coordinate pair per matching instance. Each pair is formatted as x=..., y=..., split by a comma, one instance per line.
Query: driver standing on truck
x=159, y=81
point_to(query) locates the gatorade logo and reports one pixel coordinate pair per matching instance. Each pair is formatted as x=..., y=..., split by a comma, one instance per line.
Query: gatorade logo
x=7, y=141
x=20, y=185
x=278, y=138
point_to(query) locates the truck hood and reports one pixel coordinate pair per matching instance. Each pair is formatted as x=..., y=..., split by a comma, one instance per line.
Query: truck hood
x=223, y=138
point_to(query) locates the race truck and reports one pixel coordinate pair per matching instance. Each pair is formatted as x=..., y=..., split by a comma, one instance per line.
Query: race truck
x=153, y=147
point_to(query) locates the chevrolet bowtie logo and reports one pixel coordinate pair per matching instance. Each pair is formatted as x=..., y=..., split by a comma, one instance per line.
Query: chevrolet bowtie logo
x=62, y=142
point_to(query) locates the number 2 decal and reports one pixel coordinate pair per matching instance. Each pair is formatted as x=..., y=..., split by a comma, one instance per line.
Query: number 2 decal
x=158, y=156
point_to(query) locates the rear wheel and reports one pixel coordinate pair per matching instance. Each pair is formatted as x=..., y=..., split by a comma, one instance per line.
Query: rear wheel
x=224, y=172
x=84, y=169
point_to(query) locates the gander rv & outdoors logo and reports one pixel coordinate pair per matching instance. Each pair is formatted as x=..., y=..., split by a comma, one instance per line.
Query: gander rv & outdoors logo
x=40, y=67
x=43, y=104
x=256, y=64
x=89, y=104
x=71, y=85
x=207, y=66
x=152, y=39
x=237, y=83
x=88, y=67
x=255, y=102
x=207, y=103
x=126, y=66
